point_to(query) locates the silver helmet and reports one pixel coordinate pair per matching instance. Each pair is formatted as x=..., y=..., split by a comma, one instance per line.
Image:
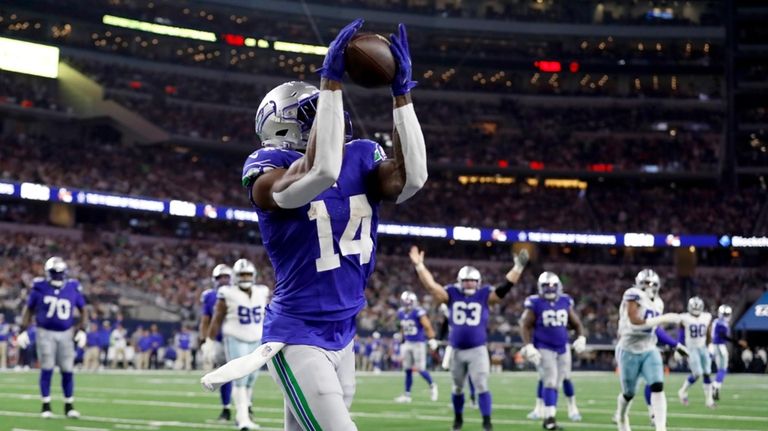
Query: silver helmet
x=469, y=280
x=409, y=299
x=245, y=274
x=55, y=271
x=724, y=311
x=695, y=306
x=549, y=285
x=286, y=114
x=221, y=270
x=648, y=281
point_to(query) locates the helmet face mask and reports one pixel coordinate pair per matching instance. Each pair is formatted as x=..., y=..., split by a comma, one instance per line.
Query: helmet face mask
x=695, y=306
x=286, y=114
x=55, y=271
x=245, y=274
x=469, y=280
x=648, y=281
x=549, y=285
x=409, y=300
x=724, y=311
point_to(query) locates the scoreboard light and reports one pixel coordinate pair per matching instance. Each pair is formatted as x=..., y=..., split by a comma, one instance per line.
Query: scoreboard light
x=30, y=58
x=553, y=66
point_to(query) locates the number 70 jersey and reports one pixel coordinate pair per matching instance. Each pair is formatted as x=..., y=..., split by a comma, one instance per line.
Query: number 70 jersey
x=245, y=314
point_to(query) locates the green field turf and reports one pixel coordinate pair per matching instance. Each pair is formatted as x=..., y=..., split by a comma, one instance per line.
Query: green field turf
x=174, y=401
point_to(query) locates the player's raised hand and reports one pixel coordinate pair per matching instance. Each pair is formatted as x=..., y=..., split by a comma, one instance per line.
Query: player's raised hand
x=417, y=257
x=402, y=82
x=521, y=260
x=333, y=64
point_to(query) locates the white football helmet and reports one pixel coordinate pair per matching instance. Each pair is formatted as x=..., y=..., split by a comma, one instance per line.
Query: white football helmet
x=221, y=270
x=648, y=281
x=469, y=280
x=245, y=274
x=409, y=299
x=695, y=306
x=550, y=286
x=55, y=271
x=724, y=311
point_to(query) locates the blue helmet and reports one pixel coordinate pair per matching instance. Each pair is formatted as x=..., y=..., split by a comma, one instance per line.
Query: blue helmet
x=55, y=271
x=550, y=287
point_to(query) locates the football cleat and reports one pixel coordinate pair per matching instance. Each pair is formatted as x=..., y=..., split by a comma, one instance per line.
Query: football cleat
x=70, y=411
x=534, y=415
x=433, y=392
x=683, y=396
x=247, y=426
x=225, y=415
x=458, y=422
x=574, y=415
x=622, y=423
x=487, y=426
x=403, y=399
x=550, y=424
x=46, y=412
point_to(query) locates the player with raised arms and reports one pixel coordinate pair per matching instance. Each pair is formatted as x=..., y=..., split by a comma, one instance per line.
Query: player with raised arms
x=469, y=300
x=317, y=198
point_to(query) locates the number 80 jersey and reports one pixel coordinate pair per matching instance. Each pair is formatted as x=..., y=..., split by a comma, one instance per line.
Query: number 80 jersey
x=468, y=316
x=323, y=252
x=245, y=314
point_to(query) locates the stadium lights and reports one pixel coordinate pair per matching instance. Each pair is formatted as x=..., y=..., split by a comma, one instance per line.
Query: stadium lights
x=166, y=30
x=300, y=48
x=30, y=58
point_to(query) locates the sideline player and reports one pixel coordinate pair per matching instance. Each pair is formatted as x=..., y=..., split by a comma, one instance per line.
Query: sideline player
x=636, y=352
x=417, y=328
x=52, y=301
x=318, y=218
x=239, y=315
x=221, y=276
x=544, y=329
x=469, y=300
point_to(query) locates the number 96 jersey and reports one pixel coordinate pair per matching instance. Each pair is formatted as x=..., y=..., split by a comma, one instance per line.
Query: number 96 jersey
x=551, y=329
x=468, y=317
x=245, y=314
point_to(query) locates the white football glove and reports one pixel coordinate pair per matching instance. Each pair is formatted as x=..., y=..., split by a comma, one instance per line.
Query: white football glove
x=580, y=344
x=208, y=349
x=433, y=344
x=531, y=354
x=520, y=259
x=22, y=340
x=80, y=339
x=681, y=350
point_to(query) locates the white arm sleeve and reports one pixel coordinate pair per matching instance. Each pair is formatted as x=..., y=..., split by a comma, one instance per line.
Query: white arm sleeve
x=664, y=319
x=414, y=150
x=329, y=149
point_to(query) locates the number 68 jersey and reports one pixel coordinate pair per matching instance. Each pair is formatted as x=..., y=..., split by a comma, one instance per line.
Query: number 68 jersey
x=468, y=316
x=551, y=328
x=245, y=314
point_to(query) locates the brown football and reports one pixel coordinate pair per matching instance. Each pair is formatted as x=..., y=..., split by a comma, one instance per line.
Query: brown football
x=368, y=60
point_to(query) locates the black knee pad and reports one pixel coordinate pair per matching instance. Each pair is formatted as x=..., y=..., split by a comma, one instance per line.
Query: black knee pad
x=657, y=387
x=627, y=397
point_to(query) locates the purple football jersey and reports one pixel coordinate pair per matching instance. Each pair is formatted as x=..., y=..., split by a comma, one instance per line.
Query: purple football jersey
x=551, y=330
x=720, y=330
x=54, y=308
x=208, y=300
x=410, y=321
x=323, y=252
x=468, y=316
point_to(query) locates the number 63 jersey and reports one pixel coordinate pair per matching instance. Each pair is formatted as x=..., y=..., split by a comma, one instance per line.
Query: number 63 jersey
x=323, y=252
x=551, y=328
x=468, y=316
x=245, y=314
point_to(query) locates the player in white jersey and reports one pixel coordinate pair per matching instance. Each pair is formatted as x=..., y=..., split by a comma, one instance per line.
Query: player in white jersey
x=636, y=353
x=694, y=332
x=240, y=308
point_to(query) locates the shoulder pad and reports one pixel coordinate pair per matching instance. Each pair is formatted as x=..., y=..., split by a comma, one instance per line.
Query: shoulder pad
x=266, y=159
x=633, y=294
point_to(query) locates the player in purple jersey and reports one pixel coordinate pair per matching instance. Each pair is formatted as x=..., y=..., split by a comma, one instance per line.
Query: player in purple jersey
x=721, y=336
x=468, y=301
x=544, y=329
x=416, y=328
x=221, y=276
x=317, y=199
x=52, y=302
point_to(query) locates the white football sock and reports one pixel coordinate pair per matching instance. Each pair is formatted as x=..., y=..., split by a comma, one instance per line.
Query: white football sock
x=539, y=407
x=241, y=404
x=622, y=407
x=659, y=404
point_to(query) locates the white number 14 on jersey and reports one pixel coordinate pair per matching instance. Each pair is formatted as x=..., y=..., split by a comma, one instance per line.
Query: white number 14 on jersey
x=360, y=213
